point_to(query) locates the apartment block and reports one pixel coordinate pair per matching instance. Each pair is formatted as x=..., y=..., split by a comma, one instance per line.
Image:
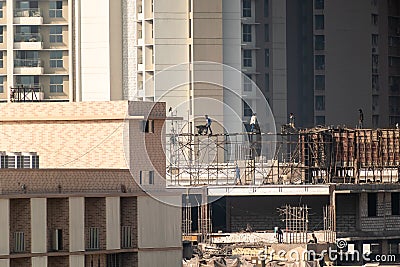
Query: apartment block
x=74, y=194
x=74, y=221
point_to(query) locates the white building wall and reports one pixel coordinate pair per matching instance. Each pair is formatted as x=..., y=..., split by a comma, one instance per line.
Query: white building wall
x=39, y=225
x=232, y=50
x=279, y=68
x=160, y=258
x=113, y=223
x=5, y=228
x=159, y=224
x=4, y=263
x=129, y=60
x=95, y=50
x=76, y=224
x=77, y=260
x=39, y=261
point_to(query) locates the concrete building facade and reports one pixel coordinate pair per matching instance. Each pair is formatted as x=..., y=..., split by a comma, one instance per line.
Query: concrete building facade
x=84, y=206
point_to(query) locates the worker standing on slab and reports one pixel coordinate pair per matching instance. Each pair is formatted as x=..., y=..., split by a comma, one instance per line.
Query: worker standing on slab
x=253, y=121
x=237, y=175
x=291, y=120
x=208, y=124
x=360, y=119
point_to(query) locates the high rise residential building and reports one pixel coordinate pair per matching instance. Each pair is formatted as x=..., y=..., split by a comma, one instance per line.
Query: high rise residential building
x=342, y=57
x=54, y=49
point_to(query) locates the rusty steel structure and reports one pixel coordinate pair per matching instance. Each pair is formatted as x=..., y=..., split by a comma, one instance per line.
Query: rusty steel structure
x=294, y=156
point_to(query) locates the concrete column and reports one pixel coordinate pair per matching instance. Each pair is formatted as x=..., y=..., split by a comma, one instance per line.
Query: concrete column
x=4, y=228
x=76, y=224
x=113, y=223
x=39, y=225
x=4, y=263
x=39, y=261
x=77, y=260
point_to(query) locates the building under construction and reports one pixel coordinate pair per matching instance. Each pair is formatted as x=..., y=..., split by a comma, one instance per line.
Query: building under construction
x=338, y=183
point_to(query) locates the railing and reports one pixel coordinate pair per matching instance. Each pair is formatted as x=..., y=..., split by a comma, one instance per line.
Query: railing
x=25, y=93
x=29, y=63
x=28, y=37
x=27, y=12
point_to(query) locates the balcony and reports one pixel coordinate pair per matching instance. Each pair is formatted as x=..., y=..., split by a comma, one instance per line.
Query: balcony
x=28, y=41
x=26, y=93
x=29, y=16
x=28, y=66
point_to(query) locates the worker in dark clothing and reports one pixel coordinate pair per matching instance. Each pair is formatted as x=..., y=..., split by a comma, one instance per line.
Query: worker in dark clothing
x=360, y=119
x=208, y=124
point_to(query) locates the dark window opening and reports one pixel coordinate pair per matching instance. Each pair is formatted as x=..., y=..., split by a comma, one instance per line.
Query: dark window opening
x=372, y=201
x=396, y=203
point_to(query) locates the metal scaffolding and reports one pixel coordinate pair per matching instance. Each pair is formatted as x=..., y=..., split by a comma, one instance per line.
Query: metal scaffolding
x=309, y=156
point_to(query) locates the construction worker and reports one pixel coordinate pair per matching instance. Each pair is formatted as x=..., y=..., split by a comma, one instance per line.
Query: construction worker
x=253, y=121
x=208, y=124
x=291, y=120
x=237, y=175
x=360, y=119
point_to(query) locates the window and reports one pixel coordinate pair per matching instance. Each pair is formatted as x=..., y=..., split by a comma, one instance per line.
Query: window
x=375, y=121
x=319, y=22
x=140, y=177
x=35, y=162
x=94, y=241
x=19, y=242
x=372, y=200
x=151, y=177
x=320, y=103
x=319, y=42
x=1, y=33
x=247, y=109
x=396, y=203
x=375, y=82
x=4, y=162
x=246, y=8
x=319, y=82
x=266, y=82
x=375, y=38
x=15, y=162
x=1, y=9
x=247, y=58
x=56, y=59
x=266, y=8
x=375, y=63
x=1, y=59
x=56, y=84
x=319, y=4
x=320, y=120
x=57, y=240
x=55, y=9
x=266, y=32
x=1, y=84
x=56, y=35
x=113, y=260
x=266, y=58
x=247, y=83
x=319, y=62
x=148, y=126
x=246, y=33
x=126, y=239
x=374, y=19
